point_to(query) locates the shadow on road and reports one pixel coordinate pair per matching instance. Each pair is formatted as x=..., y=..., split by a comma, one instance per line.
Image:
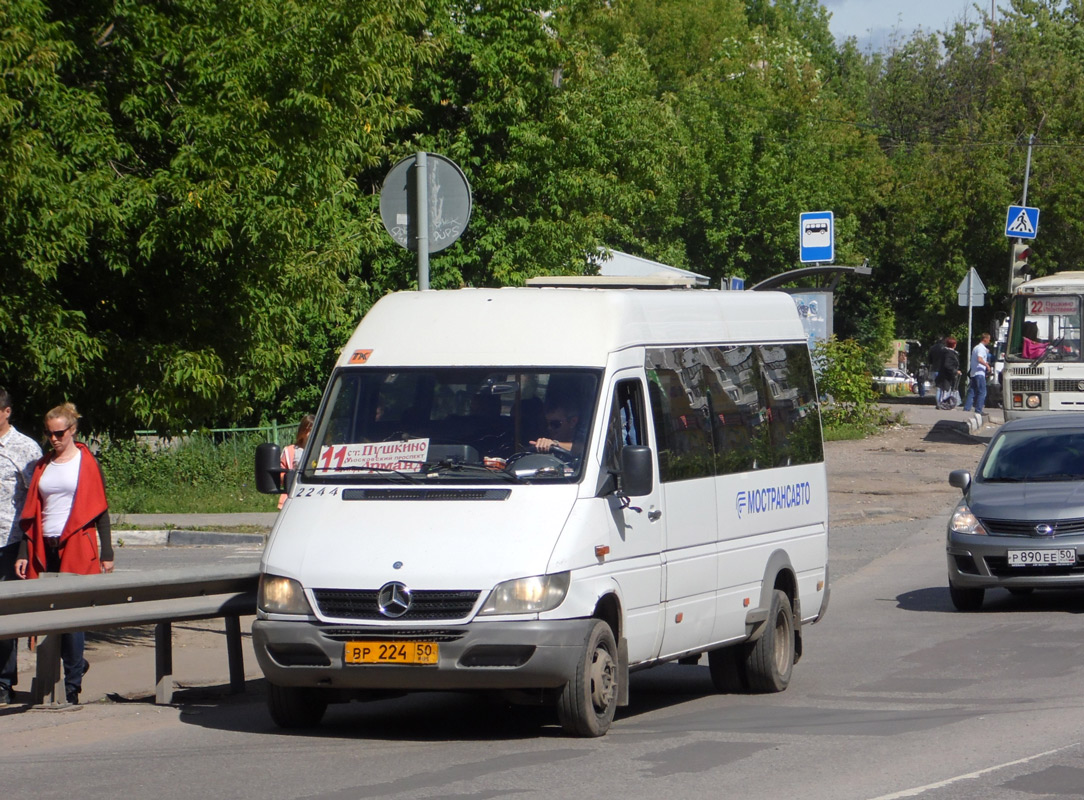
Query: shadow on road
x=936, y=598
x=428, y=716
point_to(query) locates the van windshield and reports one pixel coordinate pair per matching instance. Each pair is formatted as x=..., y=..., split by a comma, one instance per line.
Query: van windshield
x=425, y=425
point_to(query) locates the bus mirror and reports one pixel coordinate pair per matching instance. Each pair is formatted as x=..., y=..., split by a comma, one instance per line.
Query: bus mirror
x=636, y=471
x=268, y=468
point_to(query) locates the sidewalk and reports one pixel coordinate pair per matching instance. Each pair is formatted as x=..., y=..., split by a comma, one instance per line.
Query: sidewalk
x=159, y=530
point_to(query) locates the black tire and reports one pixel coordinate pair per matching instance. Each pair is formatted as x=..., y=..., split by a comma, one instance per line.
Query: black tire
x=966, y=599
x=586, y=704
x=727, y=669
x=770, y=662
x=295, y=706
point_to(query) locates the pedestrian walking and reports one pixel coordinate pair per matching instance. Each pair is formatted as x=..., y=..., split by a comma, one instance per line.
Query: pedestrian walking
x=948, y=376
x=65, y=524
x=18, y=454
x=291, y=453
x=978, y=367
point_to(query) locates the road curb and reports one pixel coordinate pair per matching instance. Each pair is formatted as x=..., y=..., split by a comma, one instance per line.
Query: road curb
x=181, y=538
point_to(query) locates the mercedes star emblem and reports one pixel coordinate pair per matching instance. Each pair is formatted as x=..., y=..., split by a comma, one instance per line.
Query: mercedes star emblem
x=393, y=599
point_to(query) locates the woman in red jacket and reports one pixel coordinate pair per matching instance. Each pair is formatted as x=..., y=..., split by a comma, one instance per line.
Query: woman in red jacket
x=65, y=524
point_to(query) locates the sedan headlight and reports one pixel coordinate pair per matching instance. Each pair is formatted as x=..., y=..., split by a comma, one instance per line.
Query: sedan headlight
x=527, y=595
x=963, y=521
x=282, y=596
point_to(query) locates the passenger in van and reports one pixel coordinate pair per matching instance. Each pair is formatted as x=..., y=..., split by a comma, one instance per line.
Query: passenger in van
x=562, y=429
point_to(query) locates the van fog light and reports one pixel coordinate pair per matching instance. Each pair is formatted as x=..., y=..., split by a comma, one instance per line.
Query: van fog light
x=527, y=595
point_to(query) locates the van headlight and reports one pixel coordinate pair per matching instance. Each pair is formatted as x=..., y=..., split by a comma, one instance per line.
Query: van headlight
x=282, y=596
x=527, y=595
x=963, y=521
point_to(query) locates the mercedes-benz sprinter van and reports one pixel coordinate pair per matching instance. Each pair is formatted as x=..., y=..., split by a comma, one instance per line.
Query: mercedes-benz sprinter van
x=535, y=491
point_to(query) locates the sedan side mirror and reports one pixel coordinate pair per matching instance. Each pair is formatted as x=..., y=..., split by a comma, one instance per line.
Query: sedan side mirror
x=960, y=478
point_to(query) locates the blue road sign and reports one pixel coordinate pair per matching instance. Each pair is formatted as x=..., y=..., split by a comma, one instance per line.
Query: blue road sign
x=816, y=236
x=737, y=284
x=1022, y=222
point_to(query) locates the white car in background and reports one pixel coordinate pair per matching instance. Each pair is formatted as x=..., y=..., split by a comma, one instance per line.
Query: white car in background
x=891, y=378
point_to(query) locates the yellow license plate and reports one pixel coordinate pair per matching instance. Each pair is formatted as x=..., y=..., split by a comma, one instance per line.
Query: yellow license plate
x=391, y=652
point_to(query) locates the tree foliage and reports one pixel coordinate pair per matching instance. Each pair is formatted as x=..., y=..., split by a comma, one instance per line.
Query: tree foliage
x=189, y=191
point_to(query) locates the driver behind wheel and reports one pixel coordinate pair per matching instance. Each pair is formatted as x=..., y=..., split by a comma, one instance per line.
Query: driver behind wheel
x=562, y=429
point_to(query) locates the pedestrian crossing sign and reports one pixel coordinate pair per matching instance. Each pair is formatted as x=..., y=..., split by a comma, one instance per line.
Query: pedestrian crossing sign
x=1022, y=222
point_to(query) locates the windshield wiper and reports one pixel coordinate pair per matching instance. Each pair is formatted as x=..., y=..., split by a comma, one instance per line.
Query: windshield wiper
x=449, y=465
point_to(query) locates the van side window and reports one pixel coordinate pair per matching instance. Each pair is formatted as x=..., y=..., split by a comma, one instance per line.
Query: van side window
x=682, y=415
x=626, y=425
x=725, y=409
x=794, y=419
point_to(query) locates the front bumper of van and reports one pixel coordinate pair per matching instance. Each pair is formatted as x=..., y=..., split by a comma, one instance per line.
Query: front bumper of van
x=489, y=655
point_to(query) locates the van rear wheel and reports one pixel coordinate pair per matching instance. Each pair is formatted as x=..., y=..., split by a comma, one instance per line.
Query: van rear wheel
x=587, y=703
x=295, y=706
x=771, y=659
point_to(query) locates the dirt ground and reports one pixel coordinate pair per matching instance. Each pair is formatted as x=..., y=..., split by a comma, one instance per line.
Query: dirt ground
x=900, y=474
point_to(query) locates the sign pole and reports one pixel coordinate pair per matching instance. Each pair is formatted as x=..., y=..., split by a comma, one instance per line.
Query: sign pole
x=970, y=312
x=421, y=218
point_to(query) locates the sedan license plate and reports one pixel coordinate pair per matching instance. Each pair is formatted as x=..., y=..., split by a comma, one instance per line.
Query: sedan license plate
x=1065, y=556
x=391, y=653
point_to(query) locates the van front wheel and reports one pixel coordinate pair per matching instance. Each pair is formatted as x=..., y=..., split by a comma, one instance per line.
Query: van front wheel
x=295, y=706
x=587, y=703
x=771, y=660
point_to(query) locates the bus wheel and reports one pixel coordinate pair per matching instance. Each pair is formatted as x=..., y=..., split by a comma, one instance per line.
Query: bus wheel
x=771, y=660
x=295, y=706
x=587, y=703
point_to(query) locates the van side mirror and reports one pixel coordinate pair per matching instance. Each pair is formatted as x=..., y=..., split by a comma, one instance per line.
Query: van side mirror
x=636, y=471
x=960, y=478
x=268, y=468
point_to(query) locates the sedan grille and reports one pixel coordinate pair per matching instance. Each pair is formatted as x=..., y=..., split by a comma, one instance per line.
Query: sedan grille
x=1016, y=527
x=435, y=604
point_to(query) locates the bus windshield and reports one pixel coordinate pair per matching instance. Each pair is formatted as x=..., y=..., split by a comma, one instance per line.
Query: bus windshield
x=425, y=425
x=1045, y=327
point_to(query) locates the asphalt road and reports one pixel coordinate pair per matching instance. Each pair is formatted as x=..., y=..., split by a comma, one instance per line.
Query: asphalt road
x=897, y=695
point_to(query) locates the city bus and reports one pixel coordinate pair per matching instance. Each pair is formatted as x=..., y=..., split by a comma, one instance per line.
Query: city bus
x=1044, y=371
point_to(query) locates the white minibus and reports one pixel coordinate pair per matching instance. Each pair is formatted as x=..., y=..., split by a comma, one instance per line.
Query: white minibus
x=536, y=491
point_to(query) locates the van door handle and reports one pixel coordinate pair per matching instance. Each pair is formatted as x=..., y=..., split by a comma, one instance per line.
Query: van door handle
x=653, y=516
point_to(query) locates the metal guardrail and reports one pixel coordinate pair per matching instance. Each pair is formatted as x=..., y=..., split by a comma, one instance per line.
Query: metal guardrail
x=56, y=604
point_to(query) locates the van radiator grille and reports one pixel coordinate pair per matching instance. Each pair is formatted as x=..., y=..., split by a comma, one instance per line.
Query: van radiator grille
x=1065, y=385
x=1026, y=385
x=424, y=604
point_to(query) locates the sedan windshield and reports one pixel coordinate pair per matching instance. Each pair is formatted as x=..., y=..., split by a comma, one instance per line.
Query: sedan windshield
x=422, y=425
x=1037, y=455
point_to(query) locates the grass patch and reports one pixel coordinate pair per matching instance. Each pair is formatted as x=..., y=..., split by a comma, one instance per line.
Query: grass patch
x=192, y=474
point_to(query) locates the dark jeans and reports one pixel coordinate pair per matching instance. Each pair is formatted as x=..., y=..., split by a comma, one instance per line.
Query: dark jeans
x=71, y=644
x=9, y=650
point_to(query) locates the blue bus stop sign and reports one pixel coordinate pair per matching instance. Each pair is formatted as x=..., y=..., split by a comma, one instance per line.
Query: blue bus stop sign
x=816, y=237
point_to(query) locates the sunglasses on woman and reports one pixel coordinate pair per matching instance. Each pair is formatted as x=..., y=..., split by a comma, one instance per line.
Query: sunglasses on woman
x=57, y=434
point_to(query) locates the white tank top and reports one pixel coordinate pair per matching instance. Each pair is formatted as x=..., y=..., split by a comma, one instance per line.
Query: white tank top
x=57, y=490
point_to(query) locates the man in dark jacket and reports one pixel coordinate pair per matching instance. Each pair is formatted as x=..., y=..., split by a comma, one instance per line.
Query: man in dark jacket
x=947, y=376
